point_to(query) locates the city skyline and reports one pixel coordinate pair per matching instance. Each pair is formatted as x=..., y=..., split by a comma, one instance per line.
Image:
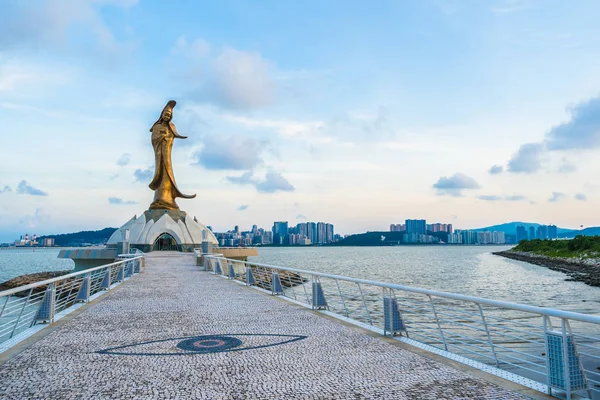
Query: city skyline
x=465, y=112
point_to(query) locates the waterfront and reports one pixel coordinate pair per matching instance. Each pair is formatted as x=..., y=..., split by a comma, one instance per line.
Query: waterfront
x=470, y=270
x=21, y=261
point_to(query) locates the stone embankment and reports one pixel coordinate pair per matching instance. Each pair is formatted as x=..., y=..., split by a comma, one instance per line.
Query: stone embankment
x=585, y=270
x=31, y=278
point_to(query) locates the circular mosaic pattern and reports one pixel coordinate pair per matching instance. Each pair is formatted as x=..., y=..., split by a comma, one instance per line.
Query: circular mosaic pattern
x=209, y=344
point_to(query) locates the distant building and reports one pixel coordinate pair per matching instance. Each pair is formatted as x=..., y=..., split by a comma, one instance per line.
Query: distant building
x=521, y=233
x=416, y=226
x=280, y=232
x=397, y=227
x=552, y=231
x=531, y=233
x=48, y=242
x=438, y=227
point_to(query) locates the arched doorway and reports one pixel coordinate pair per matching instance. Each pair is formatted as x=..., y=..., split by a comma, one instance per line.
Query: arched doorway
x=165, y=242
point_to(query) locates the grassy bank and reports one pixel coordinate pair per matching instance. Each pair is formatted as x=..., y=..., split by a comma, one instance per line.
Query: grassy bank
x=579, y=247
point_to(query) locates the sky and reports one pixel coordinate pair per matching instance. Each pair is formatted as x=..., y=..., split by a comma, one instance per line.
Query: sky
x=355, y=113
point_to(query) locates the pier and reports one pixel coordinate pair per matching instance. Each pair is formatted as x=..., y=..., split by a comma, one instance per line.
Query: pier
x=175, y=331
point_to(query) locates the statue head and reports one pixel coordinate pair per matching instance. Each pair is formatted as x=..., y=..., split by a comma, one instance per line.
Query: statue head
x=167, y=112
x=166, y=115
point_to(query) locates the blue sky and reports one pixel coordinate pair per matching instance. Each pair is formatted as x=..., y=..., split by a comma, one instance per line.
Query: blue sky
x=356, y=113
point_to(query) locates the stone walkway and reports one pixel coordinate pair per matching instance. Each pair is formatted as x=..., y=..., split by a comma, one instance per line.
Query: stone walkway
x=134, y=343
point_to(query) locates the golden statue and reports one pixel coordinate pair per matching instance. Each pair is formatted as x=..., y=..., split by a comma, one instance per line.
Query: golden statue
x=163, y=183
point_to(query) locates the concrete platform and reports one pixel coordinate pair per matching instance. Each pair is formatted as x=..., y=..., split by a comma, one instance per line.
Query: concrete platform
x=155, y=337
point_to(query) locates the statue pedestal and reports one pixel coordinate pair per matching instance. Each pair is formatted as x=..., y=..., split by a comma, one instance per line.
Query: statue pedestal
x=145, y=230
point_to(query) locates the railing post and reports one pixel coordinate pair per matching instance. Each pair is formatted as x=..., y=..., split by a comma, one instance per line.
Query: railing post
x=565, y=351
x=218, y=270
x=487, y=332
x=318, y=296
x=106, y=280
x=230, y=271
x=84, y=291
x=47, y=308
x=205, y=262
x=276, y=287
x=392, y=321
x=136, y=266
x=437, y=320
x=128, y=269
x=548, y=381
x=249, y=277
x=121, y=274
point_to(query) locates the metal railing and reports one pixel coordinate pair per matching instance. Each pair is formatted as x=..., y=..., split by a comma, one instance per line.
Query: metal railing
x=535, y=346
x=24, y=306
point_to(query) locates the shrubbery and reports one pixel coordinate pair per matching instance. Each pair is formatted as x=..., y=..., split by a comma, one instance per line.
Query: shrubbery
x=580, y=246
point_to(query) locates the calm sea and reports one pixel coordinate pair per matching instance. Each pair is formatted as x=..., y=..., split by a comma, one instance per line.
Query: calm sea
x=470, y=270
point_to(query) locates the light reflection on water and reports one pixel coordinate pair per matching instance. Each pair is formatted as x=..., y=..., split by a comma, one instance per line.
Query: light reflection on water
x=15, y=262
x=469, y=270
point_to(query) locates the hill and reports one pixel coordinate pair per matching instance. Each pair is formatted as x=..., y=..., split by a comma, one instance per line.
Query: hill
x=81, y=238
x=591, y=231
x=371, y=239
x=511, y=227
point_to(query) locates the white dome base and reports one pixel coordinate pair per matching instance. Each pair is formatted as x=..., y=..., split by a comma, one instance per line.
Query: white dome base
x=145, y=230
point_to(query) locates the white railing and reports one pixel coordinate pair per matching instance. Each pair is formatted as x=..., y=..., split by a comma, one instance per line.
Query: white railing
x=534, y=346
x=24, y=306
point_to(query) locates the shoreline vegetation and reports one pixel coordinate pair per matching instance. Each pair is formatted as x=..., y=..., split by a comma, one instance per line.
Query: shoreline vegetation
x=27, y=279
x=579, y=258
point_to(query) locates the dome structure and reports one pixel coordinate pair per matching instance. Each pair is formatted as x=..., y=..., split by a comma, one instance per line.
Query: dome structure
x=163, y=229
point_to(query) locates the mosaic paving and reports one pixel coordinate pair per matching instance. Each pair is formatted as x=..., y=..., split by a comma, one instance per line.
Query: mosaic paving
x=174, y=332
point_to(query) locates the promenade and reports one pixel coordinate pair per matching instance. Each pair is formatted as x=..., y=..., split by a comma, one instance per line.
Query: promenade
x=175, y=332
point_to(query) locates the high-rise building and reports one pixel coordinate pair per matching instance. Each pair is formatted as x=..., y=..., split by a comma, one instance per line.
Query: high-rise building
x=552, y=231
x=329, y=233
x=418, y=226
x=321, y=232
x=521, y=233
x=542, y=232
x=531, y=233
x=280, y=232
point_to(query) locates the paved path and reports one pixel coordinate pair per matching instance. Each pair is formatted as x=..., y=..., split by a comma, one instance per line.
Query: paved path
x=125, y=347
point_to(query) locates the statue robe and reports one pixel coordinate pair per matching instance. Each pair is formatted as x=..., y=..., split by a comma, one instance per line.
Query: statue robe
x=163, y=183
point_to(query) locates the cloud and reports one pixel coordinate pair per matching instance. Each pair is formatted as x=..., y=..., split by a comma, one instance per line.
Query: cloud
x=232, y=153
x=528, y=159
x=119, y=201
x=244, y=179
x=144, y=175
x=26, y=188
x=273, y=182
x=454, y=185
x=566, y=167
x=581, y=197
x=56, y=23
x=124, y=159
x=496, y=169
x=581, y=132
x=557, y=196
x=489, y=197
x=40, y=218
x=301, y=217
x=243, y=207
x=5, y=189
x=235, y=79
x=515, y=197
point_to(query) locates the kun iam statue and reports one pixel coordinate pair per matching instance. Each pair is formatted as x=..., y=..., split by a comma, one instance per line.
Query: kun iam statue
x=163, y=183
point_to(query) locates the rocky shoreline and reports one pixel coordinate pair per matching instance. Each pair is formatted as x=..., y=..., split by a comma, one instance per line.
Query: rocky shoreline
x=586, y=270
x=31, y=278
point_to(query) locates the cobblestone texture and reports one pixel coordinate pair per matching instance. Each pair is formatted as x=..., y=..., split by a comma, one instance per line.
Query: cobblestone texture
x=172, y=300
